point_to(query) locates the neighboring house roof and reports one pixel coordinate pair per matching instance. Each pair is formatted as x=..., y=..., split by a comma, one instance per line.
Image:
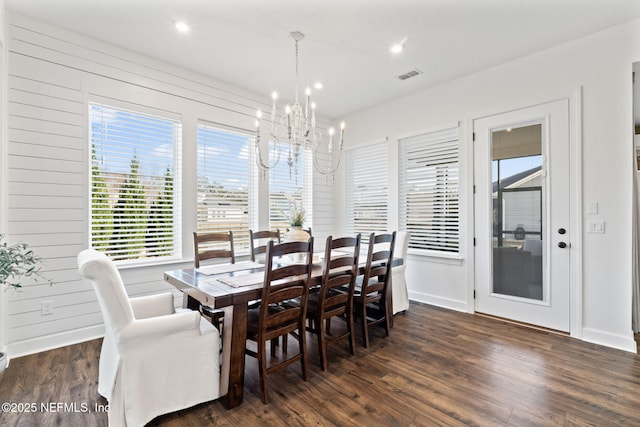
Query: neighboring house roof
x=506, y=182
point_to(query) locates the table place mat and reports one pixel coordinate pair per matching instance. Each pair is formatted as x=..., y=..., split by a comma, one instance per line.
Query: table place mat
x=229, y=268
x=243, y=279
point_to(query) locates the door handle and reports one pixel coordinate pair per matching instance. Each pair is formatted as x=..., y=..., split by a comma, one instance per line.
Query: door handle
x=562, y=245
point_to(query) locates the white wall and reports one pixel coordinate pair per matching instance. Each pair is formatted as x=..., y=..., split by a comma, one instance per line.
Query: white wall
x=3, y=152
x=52, y=75
x=600, y=65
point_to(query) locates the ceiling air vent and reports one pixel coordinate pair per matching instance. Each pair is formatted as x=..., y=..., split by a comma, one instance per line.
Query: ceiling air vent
x=410, y=74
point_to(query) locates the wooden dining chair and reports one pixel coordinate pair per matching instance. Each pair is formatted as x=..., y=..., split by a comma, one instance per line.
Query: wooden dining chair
x=258, y=241
x=213, y=246
x=334, y=299
x=275, y=319
x=208, y=246
x=370, y=296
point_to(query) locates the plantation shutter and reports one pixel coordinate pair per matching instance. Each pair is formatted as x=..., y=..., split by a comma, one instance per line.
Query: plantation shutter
x=135, y=156
x=290, y=187
x=225, y=183
x=429, y=190
x=367, y=182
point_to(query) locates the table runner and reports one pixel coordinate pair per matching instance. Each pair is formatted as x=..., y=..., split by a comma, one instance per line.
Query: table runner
x=243, y=279
x=229, y=268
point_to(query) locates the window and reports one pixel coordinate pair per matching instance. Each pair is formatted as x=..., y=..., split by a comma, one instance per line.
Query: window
x=367, y=181
x=289, y=187
x=134, y=183
x=225, y=183
x=429, y=190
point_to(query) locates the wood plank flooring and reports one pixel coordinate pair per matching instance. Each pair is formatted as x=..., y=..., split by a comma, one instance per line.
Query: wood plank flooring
x=438, y=367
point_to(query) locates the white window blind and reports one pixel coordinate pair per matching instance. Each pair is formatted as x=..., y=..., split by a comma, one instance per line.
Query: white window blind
x=429, y=190
x=367, y=179
x=225, y=183
x=135, y=160
x=288, y=188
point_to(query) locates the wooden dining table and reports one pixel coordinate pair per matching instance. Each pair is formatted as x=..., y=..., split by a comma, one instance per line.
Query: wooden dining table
x=209, y=290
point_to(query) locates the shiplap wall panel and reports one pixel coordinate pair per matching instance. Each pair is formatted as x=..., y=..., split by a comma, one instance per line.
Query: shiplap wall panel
x=44, y=189
x=48, y=327
x=58, y=177
x=34, y=162
x=26, y=148
x=37, y=201
x=25, y=306
x=39, y=291
x=38, y=214
x=43, y=125
x=103, y=60
x=45, y=139
x=52, y=73
x=53, y=115
x=29, y=96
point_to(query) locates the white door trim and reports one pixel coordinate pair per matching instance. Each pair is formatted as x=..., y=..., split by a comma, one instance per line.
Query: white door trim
x=575, y=188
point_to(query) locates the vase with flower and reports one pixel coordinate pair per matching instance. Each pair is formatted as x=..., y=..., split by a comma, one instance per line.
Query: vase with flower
x=295, y=233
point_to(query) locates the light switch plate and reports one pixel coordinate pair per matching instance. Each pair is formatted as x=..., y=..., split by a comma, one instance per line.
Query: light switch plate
x=596, y=227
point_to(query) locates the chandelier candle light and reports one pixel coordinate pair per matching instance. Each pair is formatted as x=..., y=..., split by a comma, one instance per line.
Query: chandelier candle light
x=297, y=130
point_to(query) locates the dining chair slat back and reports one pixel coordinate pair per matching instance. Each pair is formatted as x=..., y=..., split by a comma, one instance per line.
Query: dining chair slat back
x=370, y=298
x=208, y=246
x=213, y=246
x=334, y=299
x=258, y=241
x=274, y=318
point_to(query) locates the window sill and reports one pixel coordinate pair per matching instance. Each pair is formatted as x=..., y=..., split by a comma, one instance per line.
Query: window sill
x=150, y=263
x=434, y=256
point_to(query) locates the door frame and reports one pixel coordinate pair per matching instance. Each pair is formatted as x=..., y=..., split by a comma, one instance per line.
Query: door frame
x=576, y=203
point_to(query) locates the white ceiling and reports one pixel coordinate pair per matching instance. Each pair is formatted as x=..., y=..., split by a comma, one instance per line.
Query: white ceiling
x=247, y=43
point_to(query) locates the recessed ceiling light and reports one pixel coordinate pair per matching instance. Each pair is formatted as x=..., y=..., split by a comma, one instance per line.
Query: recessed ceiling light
x=181, y=26
x=396, y=48
x=318, y=85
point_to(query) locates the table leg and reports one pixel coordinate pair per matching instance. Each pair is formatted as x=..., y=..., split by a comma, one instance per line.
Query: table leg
x=189, y=302
x=236, y=362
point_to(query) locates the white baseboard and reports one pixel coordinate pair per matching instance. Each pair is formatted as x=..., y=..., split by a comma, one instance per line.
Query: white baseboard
x=620, y=342
x=451, y=304
x=49, y=342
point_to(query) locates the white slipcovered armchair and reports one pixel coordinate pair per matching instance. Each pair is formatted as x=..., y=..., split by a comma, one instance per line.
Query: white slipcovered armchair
x=154, y=360
x=399, y=293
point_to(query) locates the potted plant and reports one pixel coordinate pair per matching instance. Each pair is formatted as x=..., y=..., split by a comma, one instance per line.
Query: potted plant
x=16, y=262
x=296, y=216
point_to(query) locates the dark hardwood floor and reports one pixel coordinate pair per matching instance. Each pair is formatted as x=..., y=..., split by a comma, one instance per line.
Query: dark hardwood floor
x=438, y=367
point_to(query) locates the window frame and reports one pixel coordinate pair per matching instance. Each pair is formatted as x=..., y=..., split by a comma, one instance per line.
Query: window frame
x=364, y=155
x=242, y=235
x=176, y=181
x=450, y=181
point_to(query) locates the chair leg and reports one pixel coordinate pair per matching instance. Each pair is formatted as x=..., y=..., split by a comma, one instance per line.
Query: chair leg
x=262, y=368
x=303, y=350
x=352, y=336
x=322, y=344
x=365, y=329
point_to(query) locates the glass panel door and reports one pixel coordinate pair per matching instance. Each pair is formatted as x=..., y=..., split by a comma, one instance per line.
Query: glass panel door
x=517, y=197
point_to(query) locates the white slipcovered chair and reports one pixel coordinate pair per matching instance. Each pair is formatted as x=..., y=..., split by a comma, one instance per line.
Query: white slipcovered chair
x=154, y=360
x=399, y=293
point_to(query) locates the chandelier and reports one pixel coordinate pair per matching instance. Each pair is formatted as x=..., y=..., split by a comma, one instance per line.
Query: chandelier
x=295, y=131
